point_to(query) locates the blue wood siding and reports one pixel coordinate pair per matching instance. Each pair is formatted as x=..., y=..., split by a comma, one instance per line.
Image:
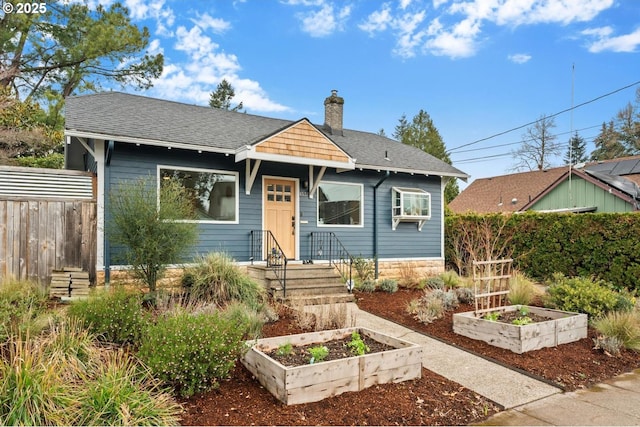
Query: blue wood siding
x=132, y=162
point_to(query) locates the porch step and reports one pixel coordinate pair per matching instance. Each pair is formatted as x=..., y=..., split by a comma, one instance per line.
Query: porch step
x=311, y=281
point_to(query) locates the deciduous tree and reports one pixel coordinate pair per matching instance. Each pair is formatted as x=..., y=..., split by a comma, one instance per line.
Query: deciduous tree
x=539, y=146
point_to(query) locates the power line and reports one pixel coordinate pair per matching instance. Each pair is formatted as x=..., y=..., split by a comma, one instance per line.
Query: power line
x=550, y=116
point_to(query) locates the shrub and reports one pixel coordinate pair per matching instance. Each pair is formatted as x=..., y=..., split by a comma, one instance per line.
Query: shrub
x=192, y=352
x=122, y=392
x=22, y=308
x=389, y=285
x=115, y=315
x=367, y=286
x=580, y=294
x=151, y=236
x=449, y=298
x=465, y=295
x=621, y=325
x=522, y=290
x=365, y=268
x=429, y=309
x=216, y=278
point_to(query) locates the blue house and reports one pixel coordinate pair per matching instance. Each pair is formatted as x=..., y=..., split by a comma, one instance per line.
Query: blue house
x=267, y=187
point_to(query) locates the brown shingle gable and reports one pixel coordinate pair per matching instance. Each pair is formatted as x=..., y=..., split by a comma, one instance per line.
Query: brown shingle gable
x=505, y=193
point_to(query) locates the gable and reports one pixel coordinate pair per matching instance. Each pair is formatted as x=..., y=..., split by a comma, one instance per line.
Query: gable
x=299, y=143
x=302, y=140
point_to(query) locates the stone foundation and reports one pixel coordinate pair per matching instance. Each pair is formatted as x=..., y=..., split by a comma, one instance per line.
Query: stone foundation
x=400, y=270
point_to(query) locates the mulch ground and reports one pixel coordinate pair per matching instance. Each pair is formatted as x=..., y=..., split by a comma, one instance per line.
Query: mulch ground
x=431, y=400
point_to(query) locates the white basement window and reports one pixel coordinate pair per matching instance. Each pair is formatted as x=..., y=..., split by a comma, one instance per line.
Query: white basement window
x=410, y=205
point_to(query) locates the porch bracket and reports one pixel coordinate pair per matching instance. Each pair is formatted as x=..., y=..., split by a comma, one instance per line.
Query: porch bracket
x=85, y=144
x=314, y=182
x=251, y=174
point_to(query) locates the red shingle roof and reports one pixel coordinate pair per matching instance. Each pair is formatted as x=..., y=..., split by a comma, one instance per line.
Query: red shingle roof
x=505, y=193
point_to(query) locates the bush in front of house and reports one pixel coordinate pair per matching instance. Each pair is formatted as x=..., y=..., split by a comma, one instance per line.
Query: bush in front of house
x=367, y=286
x=522, y=290
x=192, y=352
x=582, y=295
x=115, y=315
x=388, y=285
x=151, y=235
x=216, y=278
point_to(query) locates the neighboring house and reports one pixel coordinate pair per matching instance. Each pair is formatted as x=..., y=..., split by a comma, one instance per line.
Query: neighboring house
x=608, y=186
x=381, y=198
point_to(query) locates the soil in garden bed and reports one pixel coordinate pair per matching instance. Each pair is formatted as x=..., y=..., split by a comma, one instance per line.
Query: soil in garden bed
x=336, y=349
x=569, y=366
x=430, y=400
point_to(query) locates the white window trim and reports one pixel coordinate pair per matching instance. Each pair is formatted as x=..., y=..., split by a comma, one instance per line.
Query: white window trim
x=361, y=225
x=214, y=171
x=419, y=219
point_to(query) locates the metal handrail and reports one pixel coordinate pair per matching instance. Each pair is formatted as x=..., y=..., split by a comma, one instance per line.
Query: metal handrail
x=325, y=245
x=265, y=247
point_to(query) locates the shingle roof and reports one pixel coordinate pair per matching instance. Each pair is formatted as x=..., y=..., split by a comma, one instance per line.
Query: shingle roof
x=129, y=118
x=498, y=193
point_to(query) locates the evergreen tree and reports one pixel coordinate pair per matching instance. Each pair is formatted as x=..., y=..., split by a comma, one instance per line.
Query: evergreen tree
x=608, y=145
x=577, y=150
x=222, y=96
x=423, y=134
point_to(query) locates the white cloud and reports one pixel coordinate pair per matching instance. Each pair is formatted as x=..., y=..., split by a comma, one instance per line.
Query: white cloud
x=378, y=20
x=519, y=58
x=325, y=21
x=455, y=30
x=606, y=42
x=206, y=22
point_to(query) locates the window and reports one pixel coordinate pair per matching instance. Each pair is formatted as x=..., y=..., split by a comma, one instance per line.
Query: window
x=339, y=204
x=213, y=193
x=410, y=205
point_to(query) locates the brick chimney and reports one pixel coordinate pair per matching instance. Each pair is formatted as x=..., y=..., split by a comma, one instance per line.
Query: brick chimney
x=333, y=113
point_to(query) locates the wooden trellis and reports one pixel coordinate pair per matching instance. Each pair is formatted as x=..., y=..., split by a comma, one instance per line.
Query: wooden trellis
x=491, y=281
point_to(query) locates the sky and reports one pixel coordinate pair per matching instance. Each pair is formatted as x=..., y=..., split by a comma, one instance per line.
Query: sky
x=479, y=68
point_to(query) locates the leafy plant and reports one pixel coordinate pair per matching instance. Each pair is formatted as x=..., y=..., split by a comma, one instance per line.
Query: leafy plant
x=492, y=316
x=192, y=352
x=581, y=294
x=365, y=268
x=284, y=349
x=465, y=295
x=388, y=285
x=451, y=279
x=367, y=286
x=357, y=345
x=115, y=315
x=244, y=316
x=435, y=283
x=318, y=353
x=522, y=320
x=151, y=234
x=609, y=344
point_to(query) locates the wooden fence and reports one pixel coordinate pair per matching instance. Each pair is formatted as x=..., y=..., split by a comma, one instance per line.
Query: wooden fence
x=41, y=232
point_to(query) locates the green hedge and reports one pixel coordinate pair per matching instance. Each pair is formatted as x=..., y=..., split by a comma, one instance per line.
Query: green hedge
x=605, y=246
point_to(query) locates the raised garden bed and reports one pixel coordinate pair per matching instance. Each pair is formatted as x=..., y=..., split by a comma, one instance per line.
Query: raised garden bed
x=313, y=382
x=561, y=327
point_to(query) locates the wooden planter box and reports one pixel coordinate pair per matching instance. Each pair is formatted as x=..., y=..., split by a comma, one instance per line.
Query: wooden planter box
x=311, y=383
x=564, y=327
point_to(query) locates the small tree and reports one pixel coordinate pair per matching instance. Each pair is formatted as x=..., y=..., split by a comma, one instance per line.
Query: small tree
x=153, y=235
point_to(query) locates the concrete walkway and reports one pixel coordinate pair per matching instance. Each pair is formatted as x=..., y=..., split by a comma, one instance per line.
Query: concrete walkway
x=526, y=401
